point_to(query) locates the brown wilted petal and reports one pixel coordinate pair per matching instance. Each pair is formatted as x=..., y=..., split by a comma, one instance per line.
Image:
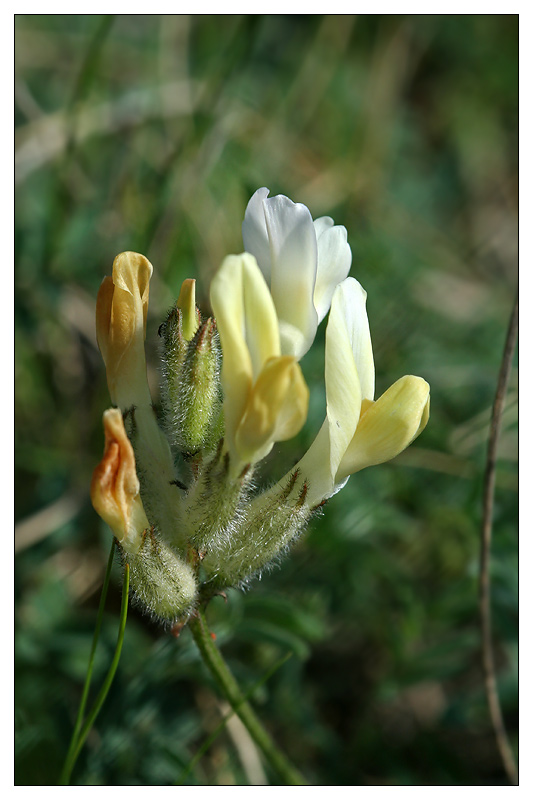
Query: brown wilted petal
x=115, y=486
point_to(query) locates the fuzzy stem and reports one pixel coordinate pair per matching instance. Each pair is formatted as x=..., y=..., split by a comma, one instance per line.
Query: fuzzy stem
x=230, y=688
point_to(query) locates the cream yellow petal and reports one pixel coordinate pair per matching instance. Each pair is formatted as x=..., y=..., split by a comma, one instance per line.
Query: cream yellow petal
x=248, y=328
x=315, y=468
x=186, y=302
x=276, y=411
x=351, y=299
x=261, y=321
x=115, y=486
x=292, y=411
x=227, y=301
x=348, y=358
x=387, y=426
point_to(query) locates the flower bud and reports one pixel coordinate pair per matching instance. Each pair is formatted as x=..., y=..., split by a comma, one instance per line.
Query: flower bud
x=199, y=404
x=178, y=329
x=121, y=309
x=115, y=486
x=191, y=368
x=173, y=350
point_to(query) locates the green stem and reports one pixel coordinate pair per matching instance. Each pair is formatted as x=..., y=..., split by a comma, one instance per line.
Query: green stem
x=88, y=677
x=78, y=742
x=225, y=719
x=230, y=688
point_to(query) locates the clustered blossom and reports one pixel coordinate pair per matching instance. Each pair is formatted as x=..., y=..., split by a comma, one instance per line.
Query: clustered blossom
x=180, y=499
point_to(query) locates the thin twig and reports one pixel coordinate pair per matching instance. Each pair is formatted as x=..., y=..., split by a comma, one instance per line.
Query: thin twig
x=491, y=688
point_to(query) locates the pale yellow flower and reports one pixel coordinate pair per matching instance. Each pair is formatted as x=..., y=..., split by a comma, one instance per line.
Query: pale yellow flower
x=358, y=432
x=115, y=489
x=265, y=395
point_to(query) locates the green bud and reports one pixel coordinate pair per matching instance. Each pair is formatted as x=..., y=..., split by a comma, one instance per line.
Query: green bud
x=191, y=390
x=163, y=584
x=177, y=330
x=174, y=348
x=200, y=402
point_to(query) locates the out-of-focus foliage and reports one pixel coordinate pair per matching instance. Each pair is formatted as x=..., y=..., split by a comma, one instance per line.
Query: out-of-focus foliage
x=150, y=133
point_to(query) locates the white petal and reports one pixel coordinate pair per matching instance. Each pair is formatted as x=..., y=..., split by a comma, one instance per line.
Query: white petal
x=343, y=388
x=293, y=341
x=293, y=248
x=322, y=224
x=351, y=298
x=334, y=262
x=349, y=375
x=254, y=232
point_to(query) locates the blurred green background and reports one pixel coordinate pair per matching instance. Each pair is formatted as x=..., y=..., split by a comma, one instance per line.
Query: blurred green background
x=150, y=133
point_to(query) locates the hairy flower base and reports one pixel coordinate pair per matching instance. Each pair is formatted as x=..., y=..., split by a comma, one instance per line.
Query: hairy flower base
x=215, y=501
x=260, y=537
x=162, y=582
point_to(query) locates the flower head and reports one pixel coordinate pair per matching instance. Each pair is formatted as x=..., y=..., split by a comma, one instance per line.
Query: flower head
x=302, y=261
x=220, y=421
